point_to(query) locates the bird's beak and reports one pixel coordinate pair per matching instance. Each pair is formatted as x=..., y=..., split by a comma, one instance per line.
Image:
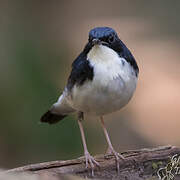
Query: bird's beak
x=96, y=42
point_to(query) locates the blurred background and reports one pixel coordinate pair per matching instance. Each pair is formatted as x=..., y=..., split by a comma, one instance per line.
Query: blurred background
x=38, y=42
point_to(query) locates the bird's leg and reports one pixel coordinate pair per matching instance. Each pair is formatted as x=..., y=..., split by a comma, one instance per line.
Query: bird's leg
x=88, y=158
x=110, y=147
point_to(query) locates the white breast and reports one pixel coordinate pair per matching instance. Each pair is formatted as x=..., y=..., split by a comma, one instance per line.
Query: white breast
x=112, y=87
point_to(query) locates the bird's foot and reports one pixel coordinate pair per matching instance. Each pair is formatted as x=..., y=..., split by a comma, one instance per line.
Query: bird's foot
x=90, y=161
x=112, y=152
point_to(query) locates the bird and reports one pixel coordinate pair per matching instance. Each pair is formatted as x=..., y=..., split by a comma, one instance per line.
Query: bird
x=103, y=79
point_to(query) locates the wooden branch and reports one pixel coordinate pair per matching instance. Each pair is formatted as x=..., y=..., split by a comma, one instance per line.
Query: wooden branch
x=138, y=165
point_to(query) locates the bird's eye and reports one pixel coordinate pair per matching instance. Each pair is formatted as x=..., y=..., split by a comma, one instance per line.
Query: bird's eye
x=111, y=39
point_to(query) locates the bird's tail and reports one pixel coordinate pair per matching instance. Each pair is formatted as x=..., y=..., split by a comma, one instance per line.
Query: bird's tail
x=51, y=118
x=58, y=111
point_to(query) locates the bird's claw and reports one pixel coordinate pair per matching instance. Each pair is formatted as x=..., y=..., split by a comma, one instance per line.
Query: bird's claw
x=90, y=161
x=117, y=157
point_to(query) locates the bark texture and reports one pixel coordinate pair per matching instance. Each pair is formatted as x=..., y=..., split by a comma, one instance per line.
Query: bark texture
x=138, y=165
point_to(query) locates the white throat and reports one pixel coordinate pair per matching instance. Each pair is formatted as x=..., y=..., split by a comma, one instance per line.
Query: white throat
x=107, y=62
x=101, y=53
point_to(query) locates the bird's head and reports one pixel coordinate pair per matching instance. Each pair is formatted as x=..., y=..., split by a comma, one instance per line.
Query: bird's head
x=103, y=35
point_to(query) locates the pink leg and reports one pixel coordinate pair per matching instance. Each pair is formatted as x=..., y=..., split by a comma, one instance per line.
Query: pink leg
x=110, y=147
x=89, y=159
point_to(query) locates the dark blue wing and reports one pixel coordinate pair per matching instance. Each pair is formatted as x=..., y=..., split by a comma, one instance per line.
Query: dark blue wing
x=124, y=52
x=81, y=71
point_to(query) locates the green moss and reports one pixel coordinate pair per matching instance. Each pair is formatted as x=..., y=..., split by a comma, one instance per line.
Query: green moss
x=156, y=165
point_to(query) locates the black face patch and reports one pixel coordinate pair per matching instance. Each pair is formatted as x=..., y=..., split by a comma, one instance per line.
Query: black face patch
x=81, y=72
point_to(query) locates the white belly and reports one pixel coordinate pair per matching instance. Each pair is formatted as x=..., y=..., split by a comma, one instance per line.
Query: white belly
x=112, y=87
